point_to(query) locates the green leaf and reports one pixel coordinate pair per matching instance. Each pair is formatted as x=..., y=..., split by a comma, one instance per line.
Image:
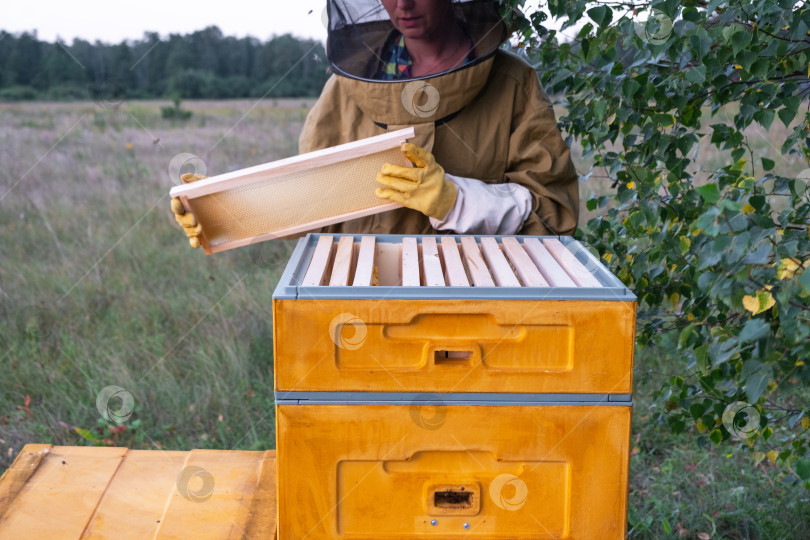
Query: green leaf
x=756, y=384
x=788, y=112
x=666, y=526
x=740, y=40
x=764, y=117
x=685, y=243
x=601, y=15
x=696, y=74
x=768, y=164
x=803, y=468
x=710, y=193
x=754, y=330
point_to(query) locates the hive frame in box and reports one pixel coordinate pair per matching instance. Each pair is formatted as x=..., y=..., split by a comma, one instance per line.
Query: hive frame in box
x=221, y=230
x=292, y=285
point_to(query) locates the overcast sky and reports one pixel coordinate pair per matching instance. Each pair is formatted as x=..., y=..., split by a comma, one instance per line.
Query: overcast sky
x=113, y=22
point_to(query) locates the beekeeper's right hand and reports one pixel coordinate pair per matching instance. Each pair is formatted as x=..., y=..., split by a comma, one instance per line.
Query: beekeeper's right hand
x=191, y=227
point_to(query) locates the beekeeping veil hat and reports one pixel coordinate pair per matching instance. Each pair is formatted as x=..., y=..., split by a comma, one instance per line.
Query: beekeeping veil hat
x=357, y=33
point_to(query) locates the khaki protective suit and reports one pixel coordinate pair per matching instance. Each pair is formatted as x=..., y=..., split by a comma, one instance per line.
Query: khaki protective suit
x=493, y=122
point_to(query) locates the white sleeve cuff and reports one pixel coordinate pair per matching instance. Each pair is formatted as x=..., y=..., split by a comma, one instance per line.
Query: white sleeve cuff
x=483, y=208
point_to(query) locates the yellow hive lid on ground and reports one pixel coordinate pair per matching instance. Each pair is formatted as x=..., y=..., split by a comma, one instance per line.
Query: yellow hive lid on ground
x=91, y=492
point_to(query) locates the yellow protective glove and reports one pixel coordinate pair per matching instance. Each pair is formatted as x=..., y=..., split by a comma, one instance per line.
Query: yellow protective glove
x=186, y=219
x=422, y=187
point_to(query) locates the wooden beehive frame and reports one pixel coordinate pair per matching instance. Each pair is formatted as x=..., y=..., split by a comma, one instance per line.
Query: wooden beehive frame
x=510, y=263
x=210, y=192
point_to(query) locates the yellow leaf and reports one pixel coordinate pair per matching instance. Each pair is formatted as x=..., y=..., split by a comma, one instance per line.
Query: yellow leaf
x=748, y=209
x=787, y=268
x=799, y=363
x=674, y=298
x=737, y=66
x=690, y=317
x=759, y=303
x=806, y=422
x=631, y=185
x=772, y=455
x=701, y=426
x=608, y=256
x=697, y=232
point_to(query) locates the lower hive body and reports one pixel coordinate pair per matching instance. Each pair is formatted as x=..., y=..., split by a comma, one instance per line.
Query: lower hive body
x=452, y=471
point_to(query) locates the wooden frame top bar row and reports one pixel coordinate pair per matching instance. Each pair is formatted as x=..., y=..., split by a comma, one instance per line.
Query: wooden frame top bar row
x=446, y=266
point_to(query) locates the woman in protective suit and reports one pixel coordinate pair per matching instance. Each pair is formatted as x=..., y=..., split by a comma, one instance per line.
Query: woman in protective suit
x=487, y=153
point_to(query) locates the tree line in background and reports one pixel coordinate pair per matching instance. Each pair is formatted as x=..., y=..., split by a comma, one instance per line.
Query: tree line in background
x=203, y=64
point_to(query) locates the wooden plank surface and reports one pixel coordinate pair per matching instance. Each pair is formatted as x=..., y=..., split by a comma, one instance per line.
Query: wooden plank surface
x=529, y=273
x=410, y=262
x=365, y=262
x=136, y=497
x=63, y=494
x=475, y=263
x=497, y=263
x=456, y=275
x=434, y=277
x=343, y=262
x=100, y=492
x=551, y=270
x=575, y=269
x=216, y=488
x=317, y=265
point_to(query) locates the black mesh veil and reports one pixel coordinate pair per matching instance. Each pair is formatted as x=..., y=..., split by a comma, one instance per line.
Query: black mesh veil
x=358, y=30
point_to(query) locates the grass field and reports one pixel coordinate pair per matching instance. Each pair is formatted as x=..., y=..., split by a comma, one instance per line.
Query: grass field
x=99, y=288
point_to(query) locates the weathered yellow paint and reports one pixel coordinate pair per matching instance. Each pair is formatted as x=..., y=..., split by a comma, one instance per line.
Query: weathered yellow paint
x=505, y=346
x=372, y=471
x=82, y=492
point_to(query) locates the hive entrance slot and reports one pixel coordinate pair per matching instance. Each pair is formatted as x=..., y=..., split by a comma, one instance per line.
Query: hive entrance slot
x=452, y=358
x=453, y=499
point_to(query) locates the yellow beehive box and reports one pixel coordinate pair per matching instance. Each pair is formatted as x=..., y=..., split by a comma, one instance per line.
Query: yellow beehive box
x=449, y=470
x=551, y=318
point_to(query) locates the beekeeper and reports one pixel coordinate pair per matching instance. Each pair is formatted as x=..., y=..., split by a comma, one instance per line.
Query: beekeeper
x=488, y=157
x=487, y=153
